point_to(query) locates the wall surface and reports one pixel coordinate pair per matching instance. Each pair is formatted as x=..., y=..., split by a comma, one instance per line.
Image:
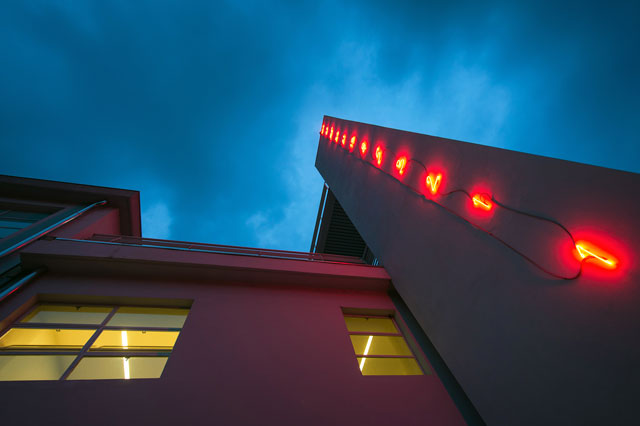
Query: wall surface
x=527, y=348
x=247, y=355
x=99, y=220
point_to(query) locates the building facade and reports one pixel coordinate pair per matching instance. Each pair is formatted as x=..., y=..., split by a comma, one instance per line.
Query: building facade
x=521, y=270
x=101, y=325
x=447, y=283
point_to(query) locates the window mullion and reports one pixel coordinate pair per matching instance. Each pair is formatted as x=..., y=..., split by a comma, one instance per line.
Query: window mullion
x=384, y=356
x=87, y=345
x=38, y=352
x=127, y=354
x=373, y=333
x=56, y=326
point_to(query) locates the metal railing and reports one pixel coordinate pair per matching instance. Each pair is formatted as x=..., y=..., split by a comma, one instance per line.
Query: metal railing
x=124, y=240
x=48, y=229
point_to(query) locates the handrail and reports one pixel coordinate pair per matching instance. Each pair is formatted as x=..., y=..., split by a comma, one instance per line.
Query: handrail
x=323, y=199
x=48, y=229
x=220, y=249
x=21, y=282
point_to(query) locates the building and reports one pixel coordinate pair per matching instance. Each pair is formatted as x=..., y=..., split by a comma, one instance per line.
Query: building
x=431, y=295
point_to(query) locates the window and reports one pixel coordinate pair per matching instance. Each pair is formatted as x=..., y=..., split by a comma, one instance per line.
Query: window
x=69, y=342
x=14, y=220
x=380, y=347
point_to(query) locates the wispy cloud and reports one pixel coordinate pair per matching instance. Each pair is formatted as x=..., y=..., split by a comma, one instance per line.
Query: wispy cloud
x=213, y=111
x=156, y=221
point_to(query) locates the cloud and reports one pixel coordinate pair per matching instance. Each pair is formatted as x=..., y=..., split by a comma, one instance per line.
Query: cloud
x=156, y=221
x=213, y=110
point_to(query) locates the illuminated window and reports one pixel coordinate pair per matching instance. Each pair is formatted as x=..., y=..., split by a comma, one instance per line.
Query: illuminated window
x=70, y=342
x=380, y=347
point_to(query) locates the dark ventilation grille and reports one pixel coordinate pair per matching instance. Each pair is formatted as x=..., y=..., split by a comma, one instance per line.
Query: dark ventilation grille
x=342, y=237
x=338, y=235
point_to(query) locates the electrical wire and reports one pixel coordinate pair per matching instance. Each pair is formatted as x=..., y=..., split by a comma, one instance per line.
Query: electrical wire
x=463, y=191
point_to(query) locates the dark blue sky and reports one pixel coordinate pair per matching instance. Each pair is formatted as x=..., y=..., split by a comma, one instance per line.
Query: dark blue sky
x=212, y=109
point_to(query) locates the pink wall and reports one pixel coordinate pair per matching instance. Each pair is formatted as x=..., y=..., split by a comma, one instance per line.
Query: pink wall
x=526, y=348
x=99, y=220
x=247, y=355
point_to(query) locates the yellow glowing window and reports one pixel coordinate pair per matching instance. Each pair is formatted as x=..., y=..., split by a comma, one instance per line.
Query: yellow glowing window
x=44, y=338
x=91, y=368
x=65, y=314
x=379, y=346
x=149, y=317
x=136, y=340
x=69, y=342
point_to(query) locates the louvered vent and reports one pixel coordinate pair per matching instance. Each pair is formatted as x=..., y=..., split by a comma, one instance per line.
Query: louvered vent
x=337, y=234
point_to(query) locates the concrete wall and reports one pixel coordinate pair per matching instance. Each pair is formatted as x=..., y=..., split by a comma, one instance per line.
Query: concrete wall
x=527, y=348
x=247, y=355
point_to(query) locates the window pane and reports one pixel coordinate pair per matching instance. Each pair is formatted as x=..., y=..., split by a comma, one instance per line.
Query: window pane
x=389, y=366
x=118, y=368
x=119, y=340
x=5, y=232
x=41, y=338
x=373, y=325
x=22, y=215
x=380, y=345
x=16, y=224
x=33, y=367
x=149, y=317
x=68, y=314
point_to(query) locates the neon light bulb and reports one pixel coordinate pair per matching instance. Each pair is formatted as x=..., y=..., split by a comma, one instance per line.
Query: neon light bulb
x=344, y=139
x=352, y=143
x=433, y=182
x=401, y=164
x=322, y=130
x=588, y=253
x=363, y=147
x=366, y=351
x=337, y=135
x=331, y=133
x=379, y=155
x=480, y=201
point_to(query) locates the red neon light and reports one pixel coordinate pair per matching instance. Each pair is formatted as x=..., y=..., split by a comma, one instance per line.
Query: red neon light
x=363, y=147
x=337, y=135
x=587, y=251
x=344, y=139
x=352, y=143
x=331, y=133
x=433, y=182
x=322, y=131
x=481, y=201
x=401, y=164
x=379, y=155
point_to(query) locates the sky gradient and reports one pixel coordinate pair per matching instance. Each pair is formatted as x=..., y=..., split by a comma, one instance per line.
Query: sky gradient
x=212, y=109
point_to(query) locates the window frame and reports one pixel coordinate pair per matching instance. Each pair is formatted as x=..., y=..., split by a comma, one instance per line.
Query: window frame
x=86, y=351
x=402, y=331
